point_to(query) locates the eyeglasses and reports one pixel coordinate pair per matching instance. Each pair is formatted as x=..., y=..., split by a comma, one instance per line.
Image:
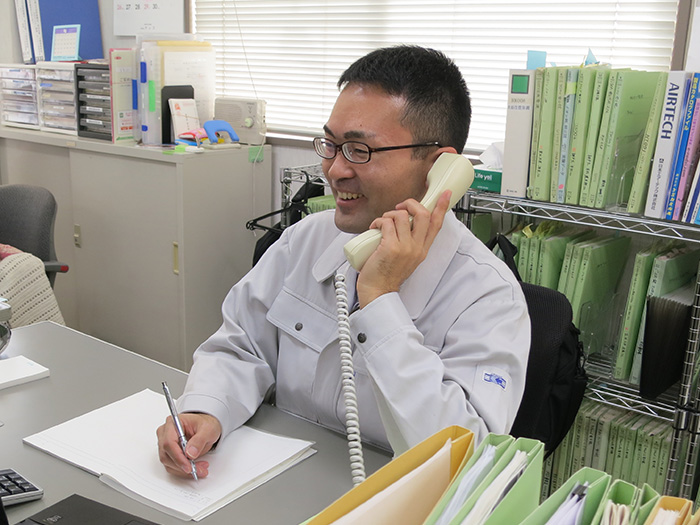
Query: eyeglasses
x=356, y=152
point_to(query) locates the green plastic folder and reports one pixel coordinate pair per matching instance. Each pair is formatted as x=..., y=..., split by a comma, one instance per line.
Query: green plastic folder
x=562, y=74
x=647, y=501
x=536, y=120
x=579, y=134
x=573, y=267
x=523, y=497
x=567, y=125
x=501, y=444
x=590, y=187
x=642, y=171
x=642, y=432
x=552, y=252
x=598, y=483
x=541, y=179
x=632, y=101
x=669, y=272
x=543, y=231
x=568, y=254
x=622, y=493
x=599, y=272
x=581, y=428
x=602, y=439
x=634, y=306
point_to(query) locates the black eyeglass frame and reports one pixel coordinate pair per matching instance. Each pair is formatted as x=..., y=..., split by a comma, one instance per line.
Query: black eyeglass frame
x=320, y=141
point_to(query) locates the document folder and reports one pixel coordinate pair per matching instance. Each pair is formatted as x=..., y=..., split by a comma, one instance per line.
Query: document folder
x=683, y=506
x=501, y=443
x=462, y=446
x=598, y=483
x=648, y=501
x=622, y=493
x=523, y=497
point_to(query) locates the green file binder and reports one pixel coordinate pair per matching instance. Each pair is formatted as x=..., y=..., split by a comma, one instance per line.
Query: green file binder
x=523, y=497
x=501, y=444
x=642, y=171
x=599, y=272
x=598, y=483
x=600, y=88
x=622, y=493
x=648, y=499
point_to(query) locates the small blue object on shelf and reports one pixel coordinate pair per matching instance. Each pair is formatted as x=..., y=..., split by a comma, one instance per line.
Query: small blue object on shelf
x=215, y=130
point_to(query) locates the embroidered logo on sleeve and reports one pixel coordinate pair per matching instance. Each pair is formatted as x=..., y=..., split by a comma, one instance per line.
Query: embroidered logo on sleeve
x=490, y=377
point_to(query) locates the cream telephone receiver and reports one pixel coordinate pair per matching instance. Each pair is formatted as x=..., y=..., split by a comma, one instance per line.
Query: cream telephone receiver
x=451, y=171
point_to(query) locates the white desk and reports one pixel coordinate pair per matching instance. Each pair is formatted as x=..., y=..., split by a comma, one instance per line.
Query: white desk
x=87, y=373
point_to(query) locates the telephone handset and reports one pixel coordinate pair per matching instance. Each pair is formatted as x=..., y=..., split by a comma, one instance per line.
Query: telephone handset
x=451, y=171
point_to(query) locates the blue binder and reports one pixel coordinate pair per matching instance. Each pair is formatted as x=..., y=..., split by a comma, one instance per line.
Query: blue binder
x=66, y=12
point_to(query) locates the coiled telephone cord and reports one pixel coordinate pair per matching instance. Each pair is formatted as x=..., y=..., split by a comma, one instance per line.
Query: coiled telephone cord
x=352, y=418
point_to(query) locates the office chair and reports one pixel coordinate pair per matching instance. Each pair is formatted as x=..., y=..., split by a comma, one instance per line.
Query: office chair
x=27, y=218
x=555, y=380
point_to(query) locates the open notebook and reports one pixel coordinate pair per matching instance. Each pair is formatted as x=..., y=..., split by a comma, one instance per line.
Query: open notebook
x=125, y=457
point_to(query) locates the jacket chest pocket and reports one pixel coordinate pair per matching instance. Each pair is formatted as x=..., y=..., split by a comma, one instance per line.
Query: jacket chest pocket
x=302, y=321
x=304, y=332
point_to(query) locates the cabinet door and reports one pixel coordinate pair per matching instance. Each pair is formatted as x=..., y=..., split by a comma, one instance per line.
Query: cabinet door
x=220, y=192
x=23, y=162
x=128, y=293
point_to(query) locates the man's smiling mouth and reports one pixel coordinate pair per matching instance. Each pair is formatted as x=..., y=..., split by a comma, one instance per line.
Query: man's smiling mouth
x=348, y=196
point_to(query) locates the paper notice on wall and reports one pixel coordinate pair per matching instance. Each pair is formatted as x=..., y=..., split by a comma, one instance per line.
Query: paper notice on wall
x=136, y=17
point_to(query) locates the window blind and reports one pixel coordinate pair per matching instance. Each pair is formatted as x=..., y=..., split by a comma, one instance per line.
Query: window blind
x=291, y=53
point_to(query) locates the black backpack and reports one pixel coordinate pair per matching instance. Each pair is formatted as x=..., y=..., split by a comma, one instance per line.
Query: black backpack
x=556, y=379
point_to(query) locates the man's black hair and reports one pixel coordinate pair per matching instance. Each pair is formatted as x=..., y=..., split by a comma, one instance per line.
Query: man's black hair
x=437, y=98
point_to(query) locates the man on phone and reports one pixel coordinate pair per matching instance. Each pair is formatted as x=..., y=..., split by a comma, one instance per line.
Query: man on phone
x=440, y=328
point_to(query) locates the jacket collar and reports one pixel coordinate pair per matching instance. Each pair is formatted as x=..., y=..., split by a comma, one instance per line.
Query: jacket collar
x=419, y=287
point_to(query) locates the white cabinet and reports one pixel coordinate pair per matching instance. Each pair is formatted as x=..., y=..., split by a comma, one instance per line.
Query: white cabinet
x=159, y=239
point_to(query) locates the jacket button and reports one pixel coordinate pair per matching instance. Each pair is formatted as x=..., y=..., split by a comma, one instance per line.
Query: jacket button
x=298, y=326
x=361, y=337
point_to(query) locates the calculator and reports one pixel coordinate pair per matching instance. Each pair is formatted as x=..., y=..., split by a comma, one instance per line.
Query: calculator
x=15, y=488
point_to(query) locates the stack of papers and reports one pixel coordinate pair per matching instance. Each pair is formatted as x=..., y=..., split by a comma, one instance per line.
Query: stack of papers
x=18, y=370
x=125, y=457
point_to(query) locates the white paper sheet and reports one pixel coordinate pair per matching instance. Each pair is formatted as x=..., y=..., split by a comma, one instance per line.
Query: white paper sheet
x=118, y=443
x=17, y=370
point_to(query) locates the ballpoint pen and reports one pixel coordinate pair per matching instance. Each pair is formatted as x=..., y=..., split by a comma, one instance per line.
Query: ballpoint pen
x=178, y=426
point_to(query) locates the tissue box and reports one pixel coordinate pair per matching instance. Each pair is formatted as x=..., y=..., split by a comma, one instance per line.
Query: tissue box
x=487, y=179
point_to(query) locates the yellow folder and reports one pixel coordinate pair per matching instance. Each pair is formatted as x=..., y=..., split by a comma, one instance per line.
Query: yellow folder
x=683, y=506
x=461, y=449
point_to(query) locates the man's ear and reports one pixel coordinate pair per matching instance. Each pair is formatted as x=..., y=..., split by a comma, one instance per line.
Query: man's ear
x=440, y=151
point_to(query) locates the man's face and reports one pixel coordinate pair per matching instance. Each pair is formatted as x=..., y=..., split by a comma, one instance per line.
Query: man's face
x=364, y=192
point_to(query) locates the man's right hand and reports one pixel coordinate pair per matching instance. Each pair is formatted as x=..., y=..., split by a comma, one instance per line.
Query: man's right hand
x=201, y=431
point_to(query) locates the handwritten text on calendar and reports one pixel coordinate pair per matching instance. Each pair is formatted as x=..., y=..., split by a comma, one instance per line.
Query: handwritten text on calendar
x=137, y=6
